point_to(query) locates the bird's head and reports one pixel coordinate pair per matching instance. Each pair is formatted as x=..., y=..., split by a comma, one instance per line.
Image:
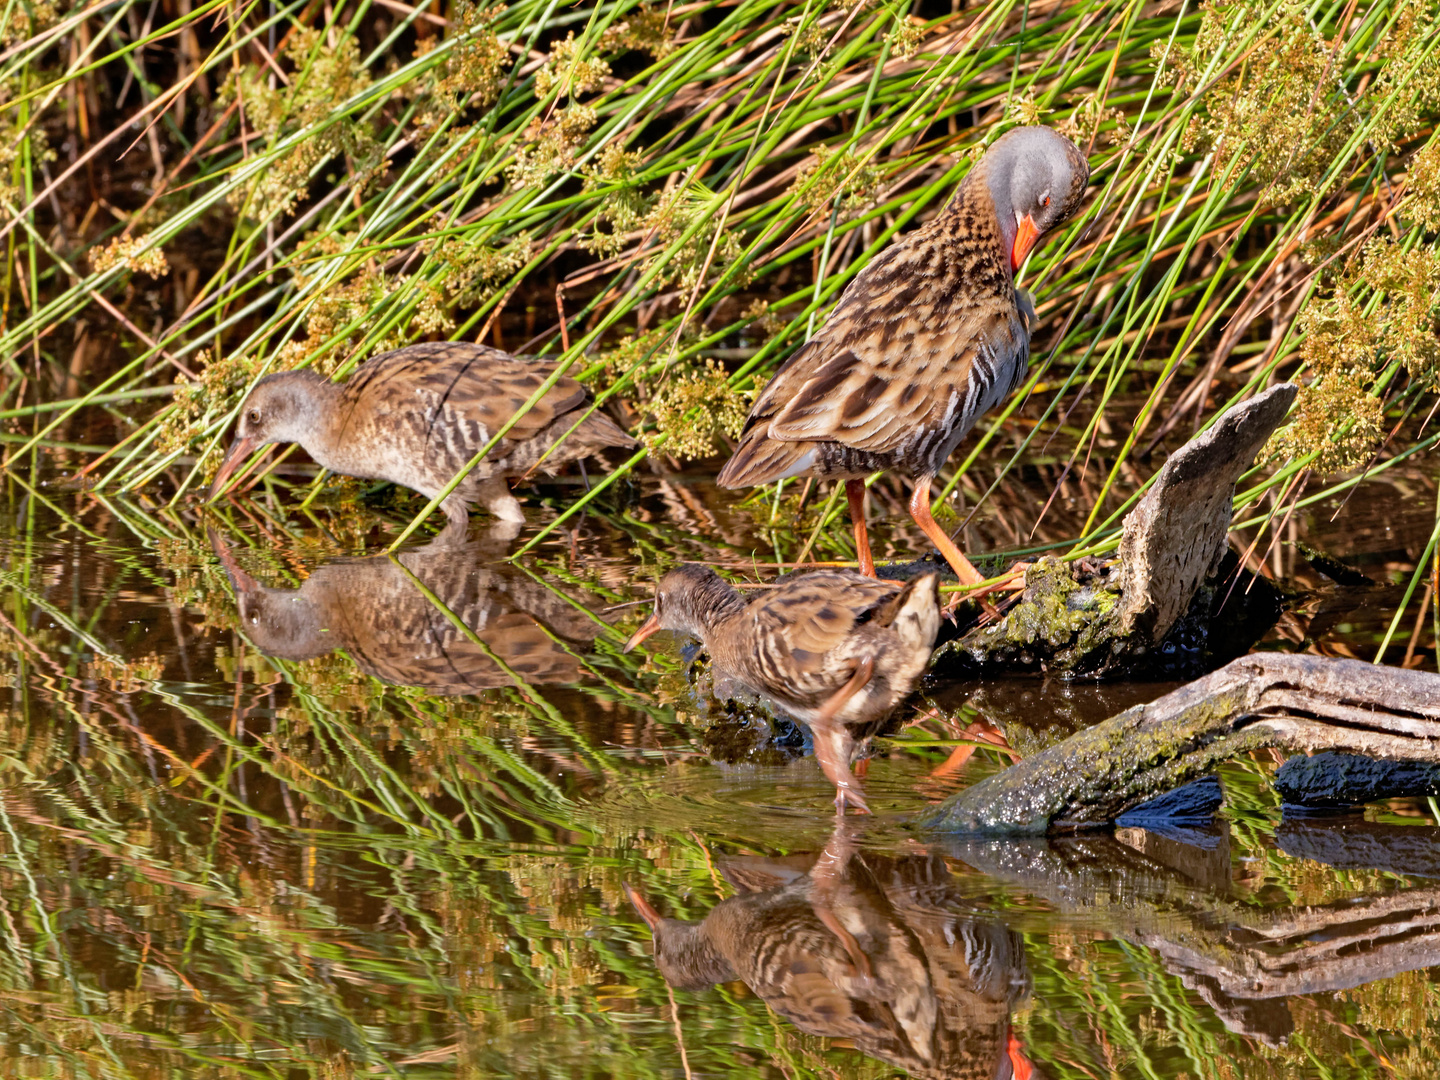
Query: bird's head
x=283, y=408
x=684, y=954
x=689, y=600
x=278, y=622
x=1037, y=179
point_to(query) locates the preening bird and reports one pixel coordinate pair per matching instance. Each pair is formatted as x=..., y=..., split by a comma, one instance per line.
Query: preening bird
x=416, y=416
x=924, y=341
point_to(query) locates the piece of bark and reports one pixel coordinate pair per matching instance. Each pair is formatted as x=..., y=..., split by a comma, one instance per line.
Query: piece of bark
x=1337, y=780
x=1241, y=958
x=1150, y=612
x=1175, y=536
x=1303, y=704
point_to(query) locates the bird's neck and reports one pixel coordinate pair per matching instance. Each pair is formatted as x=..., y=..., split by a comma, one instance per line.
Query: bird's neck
x=314, y=419
x=982, y=208
x=692, y=960
x=713, y=604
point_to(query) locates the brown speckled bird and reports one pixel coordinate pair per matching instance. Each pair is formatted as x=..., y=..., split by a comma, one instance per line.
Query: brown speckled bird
x=417, y=415
x=925, y=340
x=865, y=948
x=372, y=608
x=834, y=649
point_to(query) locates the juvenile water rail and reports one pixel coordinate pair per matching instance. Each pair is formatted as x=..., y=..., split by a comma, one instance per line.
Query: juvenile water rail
x=834, y=649
x=416, y=416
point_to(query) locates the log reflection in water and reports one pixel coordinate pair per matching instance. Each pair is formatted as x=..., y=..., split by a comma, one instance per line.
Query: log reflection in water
x=861, y=947
x=1241, y=959
x=374, y=610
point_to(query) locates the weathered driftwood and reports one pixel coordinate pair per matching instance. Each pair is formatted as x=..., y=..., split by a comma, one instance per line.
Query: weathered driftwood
x=1101, y=618
x=1303, y=704
x=1174, y=537
x=1349, y=842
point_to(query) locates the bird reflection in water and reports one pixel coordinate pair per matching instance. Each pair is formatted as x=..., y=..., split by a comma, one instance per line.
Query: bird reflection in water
x=861, y=947
x=374, y=610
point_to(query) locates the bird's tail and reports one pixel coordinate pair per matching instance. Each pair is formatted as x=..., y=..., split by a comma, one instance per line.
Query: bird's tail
x=914, y=612
x=760, y=459
x=600, y=429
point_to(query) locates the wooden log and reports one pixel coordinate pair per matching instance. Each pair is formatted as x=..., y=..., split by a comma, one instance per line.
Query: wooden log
x=1303, y=704
x=1114, y=617
x=1176, y=534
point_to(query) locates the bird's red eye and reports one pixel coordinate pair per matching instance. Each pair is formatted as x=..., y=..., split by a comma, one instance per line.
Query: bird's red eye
x=1045, y=201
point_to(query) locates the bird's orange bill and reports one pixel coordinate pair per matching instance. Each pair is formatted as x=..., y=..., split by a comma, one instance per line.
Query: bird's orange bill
x=1025, y=236
x=238, y=452
x=651, y=625
x=648, y=913
x=238, y=577
x=1020, y=1067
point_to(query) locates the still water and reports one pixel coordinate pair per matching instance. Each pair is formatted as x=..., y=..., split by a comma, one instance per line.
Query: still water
x=275, y=805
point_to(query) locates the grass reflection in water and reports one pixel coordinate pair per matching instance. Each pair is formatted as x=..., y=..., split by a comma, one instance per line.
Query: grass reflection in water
x=215, y=862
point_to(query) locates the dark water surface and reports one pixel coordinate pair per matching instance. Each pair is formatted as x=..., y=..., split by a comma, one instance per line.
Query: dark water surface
x=267, y=811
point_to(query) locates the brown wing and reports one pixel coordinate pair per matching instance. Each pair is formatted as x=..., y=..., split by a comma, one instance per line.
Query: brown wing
x=928, y=337
x=464, y=386
x=799, y=629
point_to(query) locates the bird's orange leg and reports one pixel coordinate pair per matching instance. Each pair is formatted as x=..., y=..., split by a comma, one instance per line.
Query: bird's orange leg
x=855, y=493
x=833, y=743
x=920, y=511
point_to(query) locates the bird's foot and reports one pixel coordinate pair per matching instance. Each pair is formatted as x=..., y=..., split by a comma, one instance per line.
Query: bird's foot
x=1012, y=580
x=847, y=795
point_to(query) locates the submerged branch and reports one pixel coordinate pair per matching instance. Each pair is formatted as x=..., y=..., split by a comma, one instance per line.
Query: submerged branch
x=1302, y=704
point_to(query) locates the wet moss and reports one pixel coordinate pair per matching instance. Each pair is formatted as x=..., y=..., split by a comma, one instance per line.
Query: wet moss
x=1067, y=623
x=1100, y=772
x=1064, y=621
x=737, y=727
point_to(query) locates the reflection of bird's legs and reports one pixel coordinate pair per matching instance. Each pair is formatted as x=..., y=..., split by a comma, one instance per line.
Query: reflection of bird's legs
x=833, y=742
x=579, y=522
x=1020, y=1066
x=855, y=493
x=455, y=533
x=826, y=877
x=984, y=731
x=981, y=730
x=829, y=869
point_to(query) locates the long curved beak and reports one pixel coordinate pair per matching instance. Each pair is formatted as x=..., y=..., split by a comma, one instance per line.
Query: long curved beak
x=648, y=913
x=1025, y=236
x=651, y=625
x=238, y=452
